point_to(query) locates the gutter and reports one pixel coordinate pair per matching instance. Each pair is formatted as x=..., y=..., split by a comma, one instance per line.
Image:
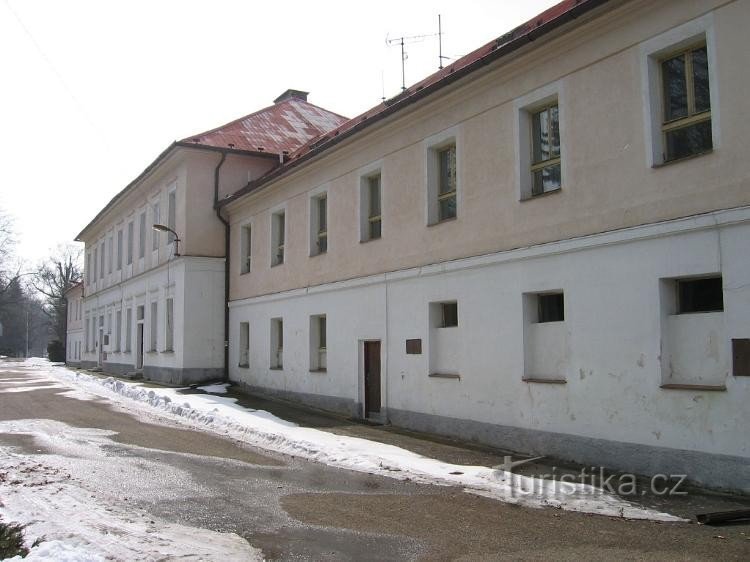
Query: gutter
x=503, y=46
x=225, y=222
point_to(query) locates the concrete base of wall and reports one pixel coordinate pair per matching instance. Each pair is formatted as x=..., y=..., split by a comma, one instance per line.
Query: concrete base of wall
x=334, y=404
x=720, y=472
x=88, y=365
x=73, y=364
x=181, y=377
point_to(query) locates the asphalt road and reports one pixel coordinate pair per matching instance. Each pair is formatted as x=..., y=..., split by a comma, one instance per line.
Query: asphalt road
x=298, y=510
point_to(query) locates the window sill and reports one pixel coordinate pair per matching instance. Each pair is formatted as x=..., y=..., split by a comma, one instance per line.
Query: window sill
x=152, y=352
x=244, y=365
x=439, y=222
x=454, y=376
x=317, y=254
x=541, y=195
x=245, y=272
x=168, y=351
x=318, y=371
x=544, y=381
x=370, y=240
x=277, y=264
x=276, y=368
x=707, y=387
x=683, y=159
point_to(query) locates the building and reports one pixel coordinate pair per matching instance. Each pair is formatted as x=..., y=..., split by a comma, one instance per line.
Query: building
x=541, y=247
x=154, y=301
x=74, y=342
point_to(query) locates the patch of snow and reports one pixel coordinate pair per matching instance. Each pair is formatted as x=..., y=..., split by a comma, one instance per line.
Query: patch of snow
x=266, y=431
x=215, y=388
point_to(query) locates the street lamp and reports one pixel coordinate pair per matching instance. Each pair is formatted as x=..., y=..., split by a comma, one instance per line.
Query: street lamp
x=163, y=228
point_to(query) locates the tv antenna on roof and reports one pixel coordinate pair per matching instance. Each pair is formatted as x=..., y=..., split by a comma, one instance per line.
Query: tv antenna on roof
x=406, y=40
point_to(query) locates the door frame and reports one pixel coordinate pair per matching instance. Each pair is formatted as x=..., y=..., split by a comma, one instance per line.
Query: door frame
x=382, y=416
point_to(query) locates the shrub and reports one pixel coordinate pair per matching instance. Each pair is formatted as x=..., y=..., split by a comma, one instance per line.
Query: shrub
x=11, y=541
x=56, y=351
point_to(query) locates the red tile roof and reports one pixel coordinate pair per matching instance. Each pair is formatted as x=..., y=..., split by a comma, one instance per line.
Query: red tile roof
x=283, y=127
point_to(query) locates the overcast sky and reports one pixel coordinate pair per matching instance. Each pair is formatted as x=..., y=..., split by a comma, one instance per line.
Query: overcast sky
x=92, y=91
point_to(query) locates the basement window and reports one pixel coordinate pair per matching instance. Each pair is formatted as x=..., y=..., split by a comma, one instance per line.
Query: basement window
x=700, y=295
x=551, y=308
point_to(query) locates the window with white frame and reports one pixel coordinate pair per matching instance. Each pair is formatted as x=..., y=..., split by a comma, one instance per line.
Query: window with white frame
x=244, y=358
x=371, y=206
x=88, y=268
x=172, y=214
x=110, y=254
x=86, y=335
x=319, y=224
x=277, y=343
x=246, y=247
x=154, y=326
x=155, y=234
x=278, y=234
x=169, y=325
x=318, y=345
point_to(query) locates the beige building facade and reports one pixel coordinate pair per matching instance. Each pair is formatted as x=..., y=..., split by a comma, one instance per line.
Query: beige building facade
x=542, y=248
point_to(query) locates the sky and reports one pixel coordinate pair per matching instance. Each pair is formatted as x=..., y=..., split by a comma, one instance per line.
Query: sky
x=92, y=91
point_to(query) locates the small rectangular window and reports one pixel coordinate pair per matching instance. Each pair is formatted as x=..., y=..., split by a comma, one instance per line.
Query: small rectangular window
x=154, y=326
x=244, y=344
x=119, y=250
x=118, y=330
x=246, y=245
x=318, y=338
x=278, y=227
x=446, y=182
x=171, y=214
x=142, y=235
x=155, y=234
x=319, y=225
x=700, y=295
x=130, y=242
x=449, y=314
x=374, y=213
x=545, y=139
x=277, y=343
x=551, y=308
x=128, y=328
x=110, y=254
x=686, y=104
x=169, y=321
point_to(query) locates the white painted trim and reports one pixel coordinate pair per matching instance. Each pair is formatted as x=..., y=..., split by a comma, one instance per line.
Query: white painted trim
x=695, y=223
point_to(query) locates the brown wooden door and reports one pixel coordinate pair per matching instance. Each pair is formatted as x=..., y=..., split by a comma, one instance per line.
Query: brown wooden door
x=372, y=377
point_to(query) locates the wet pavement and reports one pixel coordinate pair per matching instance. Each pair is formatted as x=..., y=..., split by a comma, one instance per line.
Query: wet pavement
x=299, y=510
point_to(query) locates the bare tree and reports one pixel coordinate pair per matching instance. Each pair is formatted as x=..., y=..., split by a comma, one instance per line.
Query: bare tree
x=10, y=270
x=52, y=279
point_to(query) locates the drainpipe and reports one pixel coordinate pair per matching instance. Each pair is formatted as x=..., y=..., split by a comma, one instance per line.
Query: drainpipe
x=226, y=264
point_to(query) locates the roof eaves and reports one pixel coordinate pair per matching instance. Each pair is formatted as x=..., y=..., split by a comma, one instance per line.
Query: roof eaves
x=500, y=47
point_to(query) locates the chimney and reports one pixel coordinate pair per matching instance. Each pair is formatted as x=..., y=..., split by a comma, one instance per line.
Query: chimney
x=289, y=94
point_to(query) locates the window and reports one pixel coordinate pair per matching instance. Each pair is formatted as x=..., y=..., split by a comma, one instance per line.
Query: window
x=370, y=201
x=318, y=336
x=86, y=335
x=155, y=234
x=171, y=214
x=110, y=255
x=551, y=308
x=102, y=246
x=154, y=325
x=244, y=344
x=88, y=268
x=448, y=315
x=319, y=225
x=246, y=248
x=277, y=343
x=169, y=322
x=118, y=330
x=686, y=102
x=545, y=145
x=119, y=250
x=128, y=328
x=142, y=235
x=700, y=295
x=278, y=227
x=446, y=182
x=130, y=242
x=95, y=269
